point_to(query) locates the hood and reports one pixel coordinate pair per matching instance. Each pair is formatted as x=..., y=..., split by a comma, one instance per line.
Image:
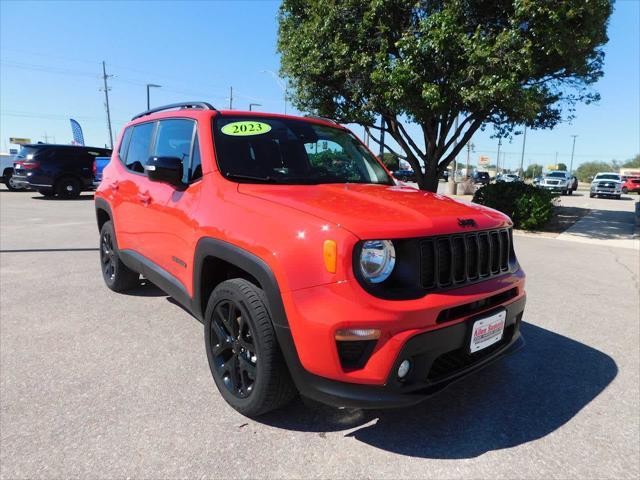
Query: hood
x=380, y=211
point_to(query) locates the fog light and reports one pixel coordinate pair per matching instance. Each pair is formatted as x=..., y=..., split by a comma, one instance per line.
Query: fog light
x=404, y=368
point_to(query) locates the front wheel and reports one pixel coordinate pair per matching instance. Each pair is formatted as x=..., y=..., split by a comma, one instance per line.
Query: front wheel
x=244, y=357
x=591, y=195
x=116, y=274
x=625, y=190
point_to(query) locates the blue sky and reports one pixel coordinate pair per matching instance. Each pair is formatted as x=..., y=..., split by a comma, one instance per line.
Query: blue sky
x=50, y=70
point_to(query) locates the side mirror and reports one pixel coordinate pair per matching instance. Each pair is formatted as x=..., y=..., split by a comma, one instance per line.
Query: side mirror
x=165, y=169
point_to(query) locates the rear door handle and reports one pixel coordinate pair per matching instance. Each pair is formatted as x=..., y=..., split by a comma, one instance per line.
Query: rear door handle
x=144, y=198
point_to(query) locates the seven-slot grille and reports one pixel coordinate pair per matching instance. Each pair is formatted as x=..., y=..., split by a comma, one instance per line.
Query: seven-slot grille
x=455, y=260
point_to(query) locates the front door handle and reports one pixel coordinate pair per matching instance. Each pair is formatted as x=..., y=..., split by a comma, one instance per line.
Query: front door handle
x=144, y=198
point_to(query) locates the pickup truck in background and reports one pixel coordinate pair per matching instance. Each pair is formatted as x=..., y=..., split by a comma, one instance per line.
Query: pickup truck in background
x=98, y=165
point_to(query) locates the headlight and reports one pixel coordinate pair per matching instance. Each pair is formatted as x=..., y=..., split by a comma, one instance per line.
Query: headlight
x=377, y=259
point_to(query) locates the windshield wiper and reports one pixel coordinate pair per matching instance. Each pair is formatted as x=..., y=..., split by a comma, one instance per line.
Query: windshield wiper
x=239, y=176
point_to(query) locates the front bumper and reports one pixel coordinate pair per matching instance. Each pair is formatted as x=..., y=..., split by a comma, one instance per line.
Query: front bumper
x=605, y=191
x=555, y=188
x=439, y=358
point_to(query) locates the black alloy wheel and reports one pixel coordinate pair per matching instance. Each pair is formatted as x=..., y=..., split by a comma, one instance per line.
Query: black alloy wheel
x=108, y=256
x=233, y=349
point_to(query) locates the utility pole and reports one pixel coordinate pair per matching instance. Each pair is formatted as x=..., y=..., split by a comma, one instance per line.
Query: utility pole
x=470, y=146
x=573, y=149
x=230, y=98
x=498, y=156
x=106, y=101
x=381, y=138
x=46, y=137
x=524, y=141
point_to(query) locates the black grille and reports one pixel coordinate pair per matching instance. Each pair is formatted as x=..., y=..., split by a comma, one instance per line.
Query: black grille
x=459, y=259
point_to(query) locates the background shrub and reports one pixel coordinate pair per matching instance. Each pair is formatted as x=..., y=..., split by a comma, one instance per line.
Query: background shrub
x=528, y=206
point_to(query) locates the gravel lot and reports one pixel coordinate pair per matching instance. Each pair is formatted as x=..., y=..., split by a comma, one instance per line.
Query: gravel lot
x=100, y=385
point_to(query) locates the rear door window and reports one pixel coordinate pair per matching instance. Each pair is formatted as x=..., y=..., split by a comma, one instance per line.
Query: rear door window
x=138, y=152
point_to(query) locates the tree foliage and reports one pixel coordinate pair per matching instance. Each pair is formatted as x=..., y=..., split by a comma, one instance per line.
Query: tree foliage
x=430, y=62
x=586, y=171
x=533, y=170
x=562, y=167
x=633, y=163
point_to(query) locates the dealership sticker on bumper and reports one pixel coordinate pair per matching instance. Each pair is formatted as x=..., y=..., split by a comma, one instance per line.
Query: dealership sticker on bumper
x=487, y=331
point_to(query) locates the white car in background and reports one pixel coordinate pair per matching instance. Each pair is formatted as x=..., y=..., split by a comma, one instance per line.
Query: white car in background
x=6, y=169
x=606, y=184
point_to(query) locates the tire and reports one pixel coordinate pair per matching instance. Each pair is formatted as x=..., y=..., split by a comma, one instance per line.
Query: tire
x=617, y=197
x=591, y=195
x=570, y=192
x=9, y=183
x=117, y=276
x=68, y=187
x=625, y=190
x=47, y=192
x=244, y=357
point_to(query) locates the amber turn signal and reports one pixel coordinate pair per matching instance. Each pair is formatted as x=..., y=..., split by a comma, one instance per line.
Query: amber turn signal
x=330, y=252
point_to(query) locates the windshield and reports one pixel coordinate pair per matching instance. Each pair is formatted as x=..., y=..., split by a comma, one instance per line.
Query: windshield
x=557, y=174
x=281, y=150
x=607, y=176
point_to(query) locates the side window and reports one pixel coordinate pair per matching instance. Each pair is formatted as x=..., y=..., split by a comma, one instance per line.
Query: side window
x=196, y=163
x=174, y=140
x=138, y=152
x=124, y=144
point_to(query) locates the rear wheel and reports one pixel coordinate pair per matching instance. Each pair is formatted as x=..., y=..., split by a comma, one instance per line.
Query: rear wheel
x=47, y=192
x=245, y=359
x=68, y=187
x=116, y=274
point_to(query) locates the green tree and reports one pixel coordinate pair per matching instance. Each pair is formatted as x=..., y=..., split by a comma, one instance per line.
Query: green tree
x=450, y=67
x=586, y=171
x=562, y=167
x=633, y=163
x=533, y=170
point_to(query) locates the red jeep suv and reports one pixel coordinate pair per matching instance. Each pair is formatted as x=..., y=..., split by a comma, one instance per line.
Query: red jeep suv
x=312, y=270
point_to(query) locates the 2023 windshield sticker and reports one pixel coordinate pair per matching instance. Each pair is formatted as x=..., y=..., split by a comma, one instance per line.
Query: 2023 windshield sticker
x=245, y=128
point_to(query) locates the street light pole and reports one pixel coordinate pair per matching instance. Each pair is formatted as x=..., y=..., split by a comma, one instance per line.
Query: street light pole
x=498, y=156
x=254, y=105
x=573, y=149
x=149, y=86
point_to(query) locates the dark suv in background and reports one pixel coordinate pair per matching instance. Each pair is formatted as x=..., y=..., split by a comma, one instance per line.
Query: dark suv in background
x=64, y=170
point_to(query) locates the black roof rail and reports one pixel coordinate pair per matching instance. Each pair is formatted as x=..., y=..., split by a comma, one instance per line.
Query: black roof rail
x=200, y=105
x=326, y=119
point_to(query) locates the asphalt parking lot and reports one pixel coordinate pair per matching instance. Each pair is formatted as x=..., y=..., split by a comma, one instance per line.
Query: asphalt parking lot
x=100, y=385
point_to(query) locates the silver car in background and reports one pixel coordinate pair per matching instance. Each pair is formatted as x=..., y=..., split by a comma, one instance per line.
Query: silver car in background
x=558, y=181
